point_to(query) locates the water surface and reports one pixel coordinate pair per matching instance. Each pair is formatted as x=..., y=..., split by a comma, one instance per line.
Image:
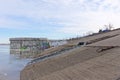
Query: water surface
x=10, y=65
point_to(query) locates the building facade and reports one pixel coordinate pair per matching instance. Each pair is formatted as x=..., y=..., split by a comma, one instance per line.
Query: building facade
x=28, y=46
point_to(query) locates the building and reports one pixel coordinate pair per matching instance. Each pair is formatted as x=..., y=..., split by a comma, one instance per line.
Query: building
x=28, y=46
x=55, y=43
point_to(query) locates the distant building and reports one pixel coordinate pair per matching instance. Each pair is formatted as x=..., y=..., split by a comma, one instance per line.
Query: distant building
x=54, y=43
x=28, y=46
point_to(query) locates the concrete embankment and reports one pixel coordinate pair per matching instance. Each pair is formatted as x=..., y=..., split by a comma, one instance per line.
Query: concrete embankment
x=75, y=63
x=96, y=61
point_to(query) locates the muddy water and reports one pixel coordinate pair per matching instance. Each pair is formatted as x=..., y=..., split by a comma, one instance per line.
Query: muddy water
x=10, y=65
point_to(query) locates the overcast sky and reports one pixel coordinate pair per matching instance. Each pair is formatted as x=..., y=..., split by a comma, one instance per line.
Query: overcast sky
x=55, y=19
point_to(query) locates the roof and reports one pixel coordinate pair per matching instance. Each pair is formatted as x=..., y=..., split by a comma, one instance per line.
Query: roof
x=14, y=39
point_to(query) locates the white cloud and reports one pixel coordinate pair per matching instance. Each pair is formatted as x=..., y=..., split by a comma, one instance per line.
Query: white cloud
x=72, y=15
x=12, y=24
x=93, y=21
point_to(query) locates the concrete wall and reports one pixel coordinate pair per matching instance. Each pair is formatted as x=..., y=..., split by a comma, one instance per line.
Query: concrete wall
x=28, y=46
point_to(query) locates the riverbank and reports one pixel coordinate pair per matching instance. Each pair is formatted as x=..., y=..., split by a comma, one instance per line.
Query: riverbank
x=95, y=61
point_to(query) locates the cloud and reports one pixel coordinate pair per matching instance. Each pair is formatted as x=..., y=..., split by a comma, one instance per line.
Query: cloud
x=6, y=23
x=64, y=16
x=92, y=21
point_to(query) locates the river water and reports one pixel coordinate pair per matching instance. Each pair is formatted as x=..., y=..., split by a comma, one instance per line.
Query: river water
x=10, y=65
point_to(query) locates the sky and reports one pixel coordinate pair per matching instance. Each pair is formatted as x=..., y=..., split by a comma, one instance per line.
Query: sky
x=56, y=19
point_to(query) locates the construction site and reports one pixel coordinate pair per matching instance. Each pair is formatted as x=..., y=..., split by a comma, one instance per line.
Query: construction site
x=93, y=57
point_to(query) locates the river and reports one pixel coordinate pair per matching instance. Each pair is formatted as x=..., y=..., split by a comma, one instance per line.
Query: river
x=10, y=65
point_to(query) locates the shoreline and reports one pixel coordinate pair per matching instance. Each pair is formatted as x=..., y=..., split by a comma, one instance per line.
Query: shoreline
x=3, y=77
x=4, y=44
